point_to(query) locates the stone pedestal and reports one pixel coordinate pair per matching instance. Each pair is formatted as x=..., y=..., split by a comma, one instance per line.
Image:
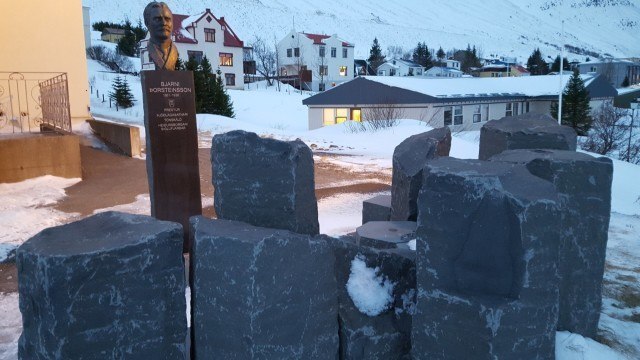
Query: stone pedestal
x=172, y=146
x=528, y=131
x=376, y=209
x=109, y=286
x=487, y=263
x=386, y=234
x=584, y=185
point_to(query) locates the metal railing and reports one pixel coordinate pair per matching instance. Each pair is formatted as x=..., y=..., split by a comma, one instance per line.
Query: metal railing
x=29, y=100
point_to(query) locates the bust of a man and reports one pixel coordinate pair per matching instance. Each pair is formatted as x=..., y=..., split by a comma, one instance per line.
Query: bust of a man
x=159, y=21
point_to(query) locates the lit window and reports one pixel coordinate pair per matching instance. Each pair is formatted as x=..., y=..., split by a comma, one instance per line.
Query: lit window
x=328, y=117
x=477, y=117
x=341, y=115
x=344, y=52
x=457, y=115
x=321, y=51
x=333, y=52
x=296, y=52
x=356, y=115
x=288, y=52
x=343, y=71
x=230, y=79
x=210, y=35
x=226, y=59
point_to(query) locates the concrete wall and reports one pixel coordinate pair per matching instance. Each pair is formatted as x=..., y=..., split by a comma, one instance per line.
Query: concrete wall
x=27, y=44
x=124, y=139
x=25, y=156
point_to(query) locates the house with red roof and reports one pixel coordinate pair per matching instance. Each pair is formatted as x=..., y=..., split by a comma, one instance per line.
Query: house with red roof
x=204, y=34
x=318, y=61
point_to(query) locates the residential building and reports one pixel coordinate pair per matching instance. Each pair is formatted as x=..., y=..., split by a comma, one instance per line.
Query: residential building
x=112, y=35
x=501, y=70
x=362, y=67
x=320, y=61
x=464, y=103
x=200, y=35
x=86, y=23
x=399, y=67
x=615, y=71
x=450, y=70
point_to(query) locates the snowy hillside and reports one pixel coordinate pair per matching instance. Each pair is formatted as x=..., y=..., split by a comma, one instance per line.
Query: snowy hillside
x=502, y=27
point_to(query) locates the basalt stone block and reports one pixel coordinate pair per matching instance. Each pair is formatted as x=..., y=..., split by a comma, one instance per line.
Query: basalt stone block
x=261, y=293
x=388, y=334
x=385, y=234
x=110, y=286
x=376, y=209
x=584, y=185
x=264, y=182
x=486, y=267
x=528, y=131
x=408, y=160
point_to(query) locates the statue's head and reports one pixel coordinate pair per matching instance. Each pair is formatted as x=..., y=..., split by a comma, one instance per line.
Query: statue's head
x=159, y=21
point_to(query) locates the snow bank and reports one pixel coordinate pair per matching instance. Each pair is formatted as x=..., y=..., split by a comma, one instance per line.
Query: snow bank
x=575, y=347
x=371, y=293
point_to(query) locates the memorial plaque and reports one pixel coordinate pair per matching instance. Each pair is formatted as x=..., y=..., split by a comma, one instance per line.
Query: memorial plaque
x=172, y=146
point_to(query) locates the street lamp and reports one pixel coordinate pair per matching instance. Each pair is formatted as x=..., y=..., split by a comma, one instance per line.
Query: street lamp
x=635, y=105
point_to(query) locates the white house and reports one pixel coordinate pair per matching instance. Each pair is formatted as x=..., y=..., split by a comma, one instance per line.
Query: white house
x=399, y=67
x=202, y=35
x=464, y=103
x=321, y=61
x=451, y=70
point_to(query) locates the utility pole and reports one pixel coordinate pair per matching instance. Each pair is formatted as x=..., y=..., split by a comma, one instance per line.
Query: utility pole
x=561, y=75
x=635, y=105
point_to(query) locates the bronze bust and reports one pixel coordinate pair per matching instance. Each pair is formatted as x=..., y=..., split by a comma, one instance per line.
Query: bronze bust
x=159, y=20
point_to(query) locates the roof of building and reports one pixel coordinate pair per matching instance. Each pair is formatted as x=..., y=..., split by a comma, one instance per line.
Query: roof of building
x=420, y=90
x=319, y=39
x=113, y=31
x=182, y=22
x=408, y=63
x=612, y=61
x=444, y=69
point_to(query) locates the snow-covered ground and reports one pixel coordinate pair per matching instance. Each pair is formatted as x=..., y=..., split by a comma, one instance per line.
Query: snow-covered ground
x=25, y=207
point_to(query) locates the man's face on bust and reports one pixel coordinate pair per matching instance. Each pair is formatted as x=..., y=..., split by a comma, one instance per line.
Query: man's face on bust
x=160, y=23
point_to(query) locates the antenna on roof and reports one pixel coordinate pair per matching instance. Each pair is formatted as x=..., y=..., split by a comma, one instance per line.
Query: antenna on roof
x=293, y=19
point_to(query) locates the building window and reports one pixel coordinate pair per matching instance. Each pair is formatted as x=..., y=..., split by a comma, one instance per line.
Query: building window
x=321, y=87
x=226, y=59
x=333, y=52
x=296, y=52
x=343, y=71
x=328, y=117
x=324, y=70
x=448, y=116
x=356, y=114
x=457, y=115
x=527, y=106
x=209, y=35
x=230, y=79
x=341, y=115
x=485, y=108
x=288, y=52
x=477, y=116
x=321, y=51
x=382, y=73
x=508, y=110
x=515, y=109
x=593, y=69
x=345, y=52
x=195, y=55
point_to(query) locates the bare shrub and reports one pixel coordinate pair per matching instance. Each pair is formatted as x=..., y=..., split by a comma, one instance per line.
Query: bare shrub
x=110, y=58
x=608, y=130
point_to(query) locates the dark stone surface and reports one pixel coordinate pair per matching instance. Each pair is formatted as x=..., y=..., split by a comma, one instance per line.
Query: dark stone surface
x=409, y=158
x=387, y=335
x=528, y=131
x=376, y=209
x=172, y=146
x=385, y=234
x=584, y=185
x=487, y=254
x=262, y=293
x=110, y=286
x=264, y=182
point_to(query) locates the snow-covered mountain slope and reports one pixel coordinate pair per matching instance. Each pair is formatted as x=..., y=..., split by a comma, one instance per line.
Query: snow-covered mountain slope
x=502, y=27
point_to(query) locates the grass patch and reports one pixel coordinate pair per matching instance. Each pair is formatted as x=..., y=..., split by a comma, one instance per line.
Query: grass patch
x=635, y=317
x=630, y=296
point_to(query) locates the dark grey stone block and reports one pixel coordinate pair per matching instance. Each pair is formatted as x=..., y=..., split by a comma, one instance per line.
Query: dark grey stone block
x=385, y=234
x=584, y=185
x=528, y=131
x=110, y=286
x=262, y=293
x=409, y=157
x=388, y=334
x=264, y=182
x=376, y=209
x=487, y=254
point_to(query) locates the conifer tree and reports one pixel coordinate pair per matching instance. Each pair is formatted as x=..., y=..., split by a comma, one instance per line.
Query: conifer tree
x=441, y=56
x=121, y=93
x=555, y=67
x=223, y=104
x=127, y=44
x=179, y=64
x=198, y=82
x=576, y=111
x=207, y=94
x=422, y=55
x=375, y=56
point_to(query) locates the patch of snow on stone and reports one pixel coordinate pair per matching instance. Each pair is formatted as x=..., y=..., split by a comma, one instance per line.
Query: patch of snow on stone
x=371, y=292
x=412, y=244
